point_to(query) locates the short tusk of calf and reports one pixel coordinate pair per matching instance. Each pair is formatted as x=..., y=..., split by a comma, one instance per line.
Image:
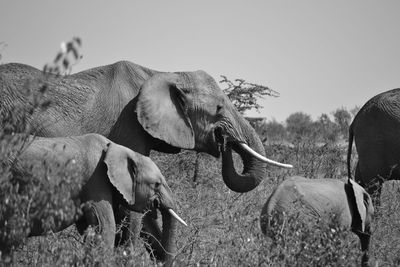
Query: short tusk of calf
x=264, y=159
x=172, y=212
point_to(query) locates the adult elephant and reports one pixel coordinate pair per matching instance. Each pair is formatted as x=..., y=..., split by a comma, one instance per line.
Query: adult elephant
x=375, y=130
x=96, y=172
x=141, y=109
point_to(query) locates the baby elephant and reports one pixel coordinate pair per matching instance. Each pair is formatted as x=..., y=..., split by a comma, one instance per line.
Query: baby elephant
x=346, y=202
x=107, y=176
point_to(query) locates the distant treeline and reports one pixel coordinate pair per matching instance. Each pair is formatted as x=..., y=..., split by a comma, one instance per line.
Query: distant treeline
x=299, y=125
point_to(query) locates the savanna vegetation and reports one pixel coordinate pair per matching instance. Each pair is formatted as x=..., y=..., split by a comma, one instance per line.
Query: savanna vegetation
x=223, y=226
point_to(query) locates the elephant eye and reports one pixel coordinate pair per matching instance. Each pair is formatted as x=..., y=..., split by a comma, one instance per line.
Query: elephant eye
x=157, y=185
x=219, y=107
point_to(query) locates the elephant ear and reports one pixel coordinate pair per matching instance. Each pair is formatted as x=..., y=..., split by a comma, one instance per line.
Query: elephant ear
x=361, y=207
x=121, y=170
x=161, y=110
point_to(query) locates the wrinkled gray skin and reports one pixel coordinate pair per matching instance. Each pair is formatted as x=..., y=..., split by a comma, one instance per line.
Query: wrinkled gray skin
x=141, y=109
x=375, y=130
x=330, y=199
x=109, y=174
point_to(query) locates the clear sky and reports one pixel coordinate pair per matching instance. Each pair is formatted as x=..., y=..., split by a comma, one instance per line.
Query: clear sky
x=320, y=55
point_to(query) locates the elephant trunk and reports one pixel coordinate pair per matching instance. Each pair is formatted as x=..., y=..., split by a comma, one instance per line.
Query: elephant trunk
x=161, y=243
x=169, y=226
x=254, y=170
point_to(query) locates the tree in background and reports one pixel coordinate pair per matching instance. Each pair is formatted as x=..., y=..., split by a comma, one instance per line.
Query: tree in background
x=245, y=95
x=342, y=118
x=298, y=125
x=326, y=130
x=354, y=111
x=274, y=131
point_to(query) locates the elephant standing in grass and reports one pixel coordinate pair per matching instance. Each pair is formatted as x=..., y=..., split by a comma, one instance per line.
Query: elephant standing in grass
x=141, y=109
x=106, y=175
x=329, y=199
x=375, y=130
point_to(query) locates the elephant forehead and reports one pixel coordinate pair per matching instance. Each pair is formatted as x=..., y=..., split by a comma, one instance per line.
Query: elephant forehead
x=149, y=169
x=200, y=82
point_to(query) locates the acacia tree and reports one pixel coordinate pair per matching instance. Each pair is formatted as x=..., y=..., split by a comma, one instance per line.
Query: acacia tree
x=245, y=95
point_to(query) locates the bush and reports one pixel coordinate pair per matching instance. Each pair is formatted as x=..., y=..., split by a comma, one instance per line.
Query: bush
x=32, y=196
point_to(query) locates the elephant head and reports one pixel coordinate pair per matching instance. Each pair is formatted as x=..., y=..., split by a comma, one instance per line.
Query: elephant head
x=143, y=188
x=190, y=111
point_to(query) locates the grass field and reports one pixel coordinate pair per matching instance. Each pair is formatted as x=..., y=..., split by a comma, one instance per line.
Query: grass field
x=224, y=226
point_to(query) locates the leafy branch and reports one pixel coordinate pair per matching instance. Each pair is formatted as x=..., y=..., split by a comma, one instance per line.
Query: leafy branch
x=68, y=56
x=244, y=95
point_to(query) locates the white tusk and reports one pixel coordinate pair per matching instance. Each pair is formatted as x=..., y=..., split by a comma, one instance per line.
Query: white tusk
x=264, y=159
x=177, y=217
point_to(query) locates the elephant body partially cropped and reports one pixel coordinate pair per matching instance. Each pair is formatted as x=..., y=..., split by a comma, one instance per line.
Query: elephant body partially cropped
x=141, y=109
x=105, y=175
x=329, y=199
x=375, y=130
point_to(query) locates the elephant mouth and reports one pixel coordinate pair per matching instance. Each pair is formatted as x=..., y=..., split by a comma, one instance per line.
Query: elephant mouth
x=219, y=138
x=222, y=140
x=219, y=141
x=154, y=205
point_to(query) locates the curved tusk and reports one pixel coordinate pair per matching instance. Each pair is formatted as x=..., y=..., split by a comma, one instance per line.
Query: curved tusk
x=177, y=217
x=264, y=159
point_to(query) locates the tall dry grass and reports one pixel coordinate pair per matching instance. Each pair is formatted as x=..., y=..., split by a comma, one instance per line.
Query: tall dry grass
x=224, y=226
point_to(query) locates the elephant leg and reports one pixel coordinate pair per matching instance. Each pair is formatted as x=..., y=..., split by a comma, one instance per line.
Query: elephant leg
x=101, y=214
x=135, y=226
x=371, y=173
x=132, y=225
x=81, y=224
x=373, y=187
x=365, y=240
x=129, y=226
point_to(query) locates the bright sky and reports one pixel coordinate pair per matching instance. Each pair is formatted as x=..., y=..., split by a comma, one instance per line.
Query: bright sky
x=320, y=55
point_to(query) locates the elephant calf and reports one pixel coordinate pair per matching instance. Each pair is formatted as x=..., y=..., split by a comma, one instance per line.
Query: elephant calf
x=108, y=176
x=329, y=199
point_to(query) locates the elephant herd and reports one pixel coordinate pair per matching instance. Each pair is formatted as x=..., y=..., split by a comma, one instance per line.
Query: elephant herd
x=103, y=123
